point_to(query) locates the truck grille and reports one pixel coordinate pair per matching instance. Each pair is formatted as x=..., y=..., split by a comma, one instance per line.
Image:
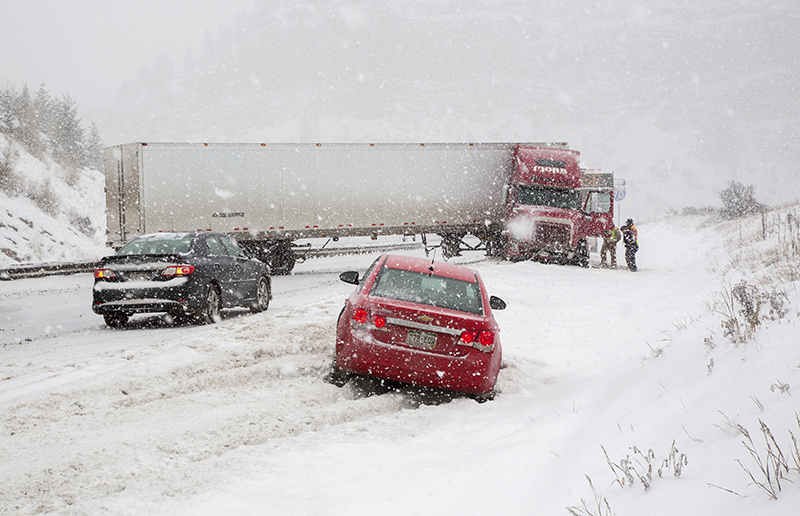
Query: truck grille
x=551, y=233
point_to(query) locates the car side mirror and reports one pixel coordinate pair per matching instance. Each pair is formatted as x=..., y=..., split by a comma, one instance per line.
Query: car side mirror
x=496, y=303
x=349, y=277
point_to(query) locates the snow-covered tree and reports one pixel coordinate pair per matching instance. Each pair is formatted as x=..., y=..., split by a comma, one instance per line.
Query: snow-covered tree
x=43, y=114
x=739, y=200
x=47, y=126
x=68, y=149
x=27, y=131
x=94, y=148
x=6, y=111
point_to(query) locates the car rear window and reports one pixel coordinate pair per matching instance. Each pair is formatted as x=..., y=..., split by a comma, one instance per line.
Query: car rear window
x=428, y=289
x=158, y=244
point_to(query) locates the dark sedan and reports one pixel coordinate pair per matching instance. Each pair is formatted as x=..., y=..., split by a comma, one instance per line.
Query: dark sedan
x=188, y=275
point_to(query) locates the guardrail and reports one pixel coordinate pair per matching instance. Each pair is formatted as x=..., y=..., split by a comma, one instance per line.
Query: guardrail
x=40, y=270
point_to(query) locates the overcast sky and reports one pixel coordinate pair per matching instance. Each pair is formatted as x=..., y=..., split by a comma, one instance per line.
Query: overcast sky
x=87, y=48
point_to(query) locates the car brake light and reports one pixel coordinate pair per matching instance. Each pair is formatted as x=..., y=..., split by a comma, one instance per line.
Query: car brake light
x=177, y=270
x=360, y=316
x=487, y=338
x=478, y=339
x=379, y=321
x=104, y=274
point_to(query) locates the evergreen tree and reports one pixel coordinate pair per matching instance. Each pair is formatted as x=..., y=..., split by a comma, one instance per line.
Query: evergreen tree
x=94, y=148
x=68, y=147
x=50, y=126
x=43, y=113
x=23, y=112
x=6, y=111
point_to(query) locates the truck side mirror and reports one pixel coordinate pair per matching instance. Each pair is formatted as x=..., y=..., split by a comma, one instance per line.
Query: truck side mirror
x=349, y=277
x=496, y=303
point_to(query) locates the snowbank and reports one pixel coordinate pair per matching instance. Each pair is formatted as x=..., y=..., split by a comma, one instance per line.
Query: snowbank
x=235, y=418
x=53, y=214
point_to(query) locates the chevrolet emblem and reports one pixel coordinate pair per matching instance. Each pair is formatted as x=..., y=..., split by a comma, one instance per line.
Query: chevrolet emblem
x=425, y=318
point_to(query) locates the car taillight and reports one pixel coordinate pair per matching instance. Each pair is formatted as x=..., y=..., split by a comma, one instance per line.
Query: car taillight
x=360, y=315
x=104, y=274
x=177, y=270
x=478, y=339
x=379, y=321
x=468, y=337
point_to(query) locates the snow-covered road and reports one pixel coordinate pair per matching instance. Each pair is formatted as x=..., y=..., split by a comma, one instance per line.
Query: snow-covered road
x=235, y=418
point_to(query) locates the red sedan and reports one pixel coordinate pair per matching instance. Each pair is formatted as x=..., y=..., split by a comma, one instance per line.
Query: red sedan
x=420, y=322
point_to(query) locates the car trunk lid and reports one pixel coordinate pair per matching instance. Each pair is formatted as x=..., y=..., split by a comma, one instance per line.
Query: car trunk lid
x=428, y=328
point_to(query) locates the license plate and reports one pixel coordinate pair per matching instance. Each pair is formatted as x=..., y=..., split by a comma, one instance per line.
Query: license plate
x=421, y=339
x=140, y=276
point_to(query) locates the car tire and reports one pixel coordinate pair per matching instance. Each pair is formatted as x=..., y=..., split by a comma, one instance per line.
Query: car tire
x=336, y=376
x=212, y=306
x=262, y=296
x=116, y=320
x=483, y=398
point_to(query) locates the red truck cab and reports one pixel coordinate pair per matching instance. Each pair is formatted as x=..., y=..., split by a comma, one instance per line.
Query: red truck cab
x=553, y=206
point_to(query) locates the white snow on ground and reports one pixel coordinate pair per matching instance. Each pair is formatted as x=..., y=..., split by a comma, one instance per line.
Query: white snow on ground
x=58, y=215
x=235, y=418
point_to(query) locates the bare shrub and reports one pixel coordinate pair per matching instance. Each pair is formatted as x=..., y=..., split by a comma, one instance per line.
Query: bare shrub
x=744, y=307
x=72, y=175
x=82, y=224
x=739, y=200
x=773, y=466
x=639, y=467
x=9, y=182
x=45, y=198
x=601, y=506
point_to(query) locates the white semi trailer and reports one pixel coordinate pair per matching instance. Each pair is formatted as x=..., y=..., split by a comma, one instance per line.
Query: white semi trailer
x=269, y=195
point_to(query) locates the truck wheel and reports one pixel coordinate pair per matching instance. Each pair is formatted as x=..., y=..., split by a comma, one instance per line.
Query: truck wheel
x=582, y=254
x=281, y=259
x=210, y=312
x=115, y=320
x=495, y=246
x=451, y=245
x=262, y=296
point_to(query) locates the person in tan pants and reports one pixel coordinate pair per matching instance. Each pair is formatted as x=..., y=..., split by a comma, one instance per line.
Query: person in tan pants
x=610, y=239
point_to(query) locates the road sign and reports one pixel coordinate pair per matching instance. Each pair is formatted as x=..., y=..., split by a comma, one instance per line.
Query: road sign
x=619, y=189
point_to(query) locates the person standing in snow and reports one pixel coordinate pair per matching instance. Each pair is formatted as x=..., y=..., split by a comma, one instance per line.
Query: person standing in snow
x=630, y=237
x=610, y=239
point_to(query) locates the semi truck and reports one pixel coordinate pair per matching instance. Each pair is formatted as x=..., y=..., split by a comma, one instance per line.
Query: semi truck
x=515, y=200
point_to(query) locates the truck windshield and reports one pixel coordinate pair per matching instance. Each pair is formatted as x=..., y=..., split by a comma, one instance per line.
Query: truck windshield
x=543, y=196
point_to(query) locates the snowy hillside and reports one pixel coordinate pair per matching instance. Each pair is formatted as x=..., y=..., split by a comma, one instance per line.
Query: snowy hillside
x=604, y=372
x=52, y=213
x=677, y=98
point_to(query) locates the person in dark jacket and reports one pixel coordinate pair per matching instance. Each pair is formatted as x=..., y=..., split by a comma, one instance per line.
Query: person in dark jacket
x=630, y=237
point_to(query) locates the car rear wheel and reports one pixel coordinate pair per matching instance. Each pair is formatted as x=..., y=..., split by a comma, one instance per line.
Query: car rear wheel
x=262, y=296
x=210, y=313
x=116, y=320
x=483, y=398
x=336, y=376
